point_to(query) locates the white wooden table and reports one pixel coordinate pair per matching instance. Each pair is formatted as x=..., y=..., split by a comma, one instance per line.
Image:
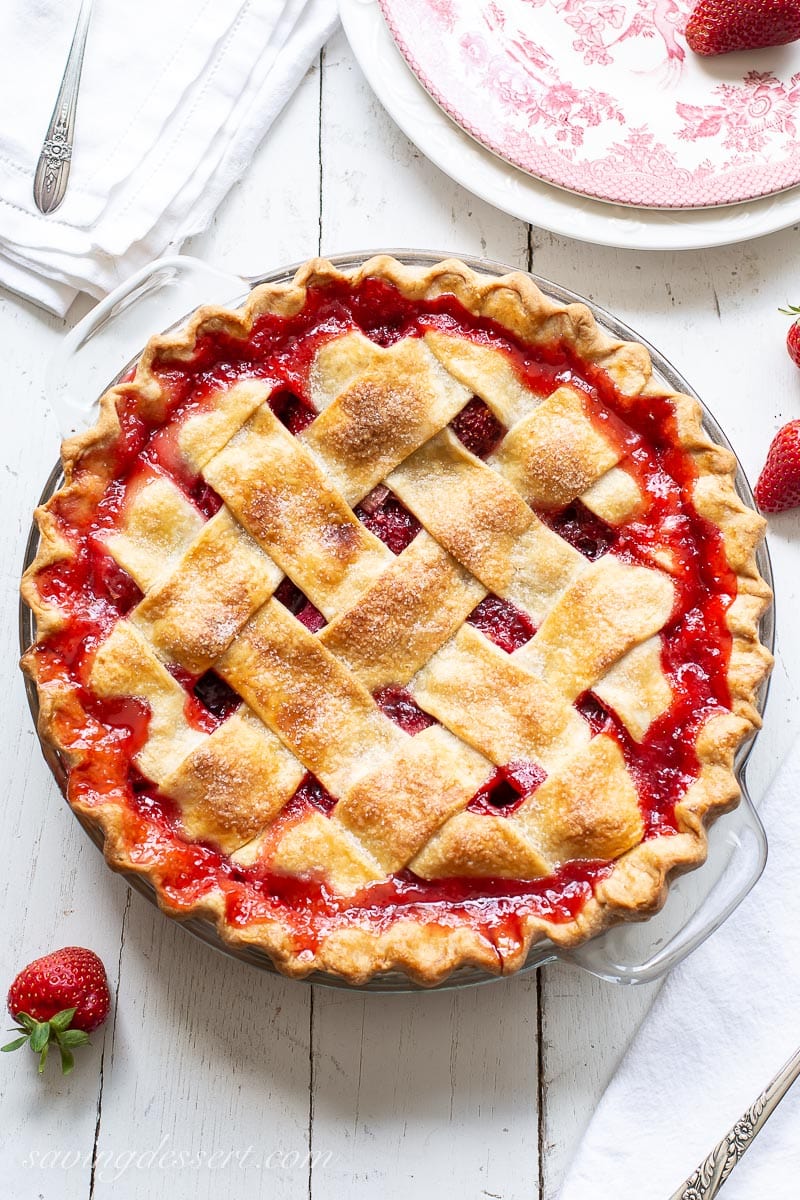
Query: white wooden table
x=212, y=1079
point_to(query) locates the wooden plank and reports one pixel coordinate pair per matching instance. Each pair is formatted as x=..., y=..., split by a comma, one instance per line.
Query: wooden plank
x=55, y=890
x=380, y=193
x=427, y=1094
x=209, y=1056
x=206, y=1074
x=54, y=887
x=586, y=1027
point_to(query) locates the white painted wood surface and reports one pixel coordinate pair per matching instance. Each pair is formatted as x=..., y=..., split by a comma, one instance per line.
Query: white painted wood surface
x=212, y=1079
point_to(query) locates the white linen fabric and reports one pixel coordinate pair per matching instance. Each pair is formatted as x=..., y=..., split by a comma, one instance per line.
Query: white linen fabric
x=175, y=97
x=722, y=1025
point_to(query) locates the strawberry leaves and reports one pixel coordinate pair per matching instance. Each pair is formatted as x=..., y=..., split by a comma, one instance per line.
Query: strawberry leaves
x=41, y=1035
x=15, y=1045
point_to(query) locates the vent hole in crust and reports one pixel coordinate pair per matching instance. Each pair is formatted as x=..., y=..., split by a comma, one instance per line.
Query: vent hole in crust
x=477, y=428
x=206, y=499
x=216, y=695
x=299, y=605
x=399, y=706
x=115, y=582
x=593, y=712
x=388, y=519
x=311, y=794
x=506, y=788
x=590, y=536
x=502, y=623
x=291, y=411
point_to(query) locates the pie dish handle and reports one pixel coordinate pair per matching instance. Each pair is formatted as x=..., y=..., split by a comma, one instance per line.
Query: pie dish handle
x=158, y=296
x=642, y=953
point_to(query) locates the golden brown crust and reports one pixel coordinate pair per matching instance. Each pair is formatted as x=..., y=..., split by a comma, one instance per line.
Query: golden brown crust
x=638, y=882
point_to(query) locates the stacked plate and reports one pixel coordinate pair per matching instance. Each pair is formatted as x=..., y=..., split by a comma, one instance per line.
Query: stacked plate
x=591, y=118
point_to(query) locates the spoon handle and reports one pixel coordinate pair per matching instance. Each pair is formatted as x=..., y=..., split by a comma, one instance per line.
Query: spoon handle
x=52, y=170
x=709, y=1177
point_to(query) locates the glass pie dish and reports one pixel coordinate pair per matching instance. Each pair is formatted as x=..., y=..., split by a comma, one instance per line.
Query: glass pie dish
x=628, y=953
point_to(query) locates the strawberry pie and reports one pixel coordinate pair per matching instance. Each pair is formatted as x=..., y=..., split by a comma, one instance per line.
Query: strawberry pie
x=398, y=620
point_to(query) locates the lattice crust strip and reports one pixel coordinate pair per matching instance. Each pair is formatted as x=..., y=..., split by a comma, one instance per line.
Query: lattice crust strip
x=308, y=704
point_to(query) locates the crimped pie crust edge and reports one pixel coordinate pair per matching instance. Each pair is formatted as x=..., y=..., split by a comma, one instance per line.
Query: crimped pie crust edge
x=638, y=883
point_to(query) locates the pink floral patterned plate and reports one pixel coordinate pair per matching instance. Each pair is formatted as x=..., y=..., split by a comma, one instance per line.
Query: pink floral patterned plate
x=603, y=97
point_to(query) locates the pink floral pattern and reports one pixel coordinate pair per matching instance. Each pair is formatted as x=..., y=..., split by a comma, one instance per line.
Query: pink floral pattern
x=445, y=11
x=599, y=28
x=747, y=116
x=538, y=94
x=601, y=96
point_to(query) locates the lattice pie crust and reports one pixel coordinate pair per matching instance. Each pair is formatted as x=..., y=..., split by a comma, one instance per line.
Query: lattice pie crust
x=404, y=805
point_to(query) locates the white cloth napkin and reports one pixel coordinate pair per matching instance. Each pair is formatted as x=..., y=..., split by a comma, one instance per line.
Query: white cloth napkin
x=175, y=97
x=722, y=1025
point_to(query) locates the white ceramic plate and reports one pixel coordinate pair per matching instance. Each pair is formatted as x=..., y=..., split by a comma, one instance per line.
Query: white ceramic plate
x=606, y=99
x=515, y=192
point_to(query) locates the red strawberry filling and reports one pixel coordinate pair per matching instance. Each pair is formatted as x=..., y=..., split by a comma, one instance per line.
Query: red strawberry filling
x=297, y=603
x=93, y=596
x=478, y=428
x=399, y=706
x=504, y=624
x=582, y=529
x=388, y=519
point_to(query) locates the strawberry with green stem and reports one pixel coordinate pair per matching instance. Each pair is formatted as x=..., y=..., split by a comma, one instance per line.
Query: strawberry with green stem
x=58, y=1000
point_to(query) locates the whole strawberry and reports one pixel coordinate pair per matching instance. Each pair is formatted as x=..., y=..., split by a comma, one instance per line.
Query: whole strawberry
x=778, y=486
x=793, y=336
x=720, y=26
x=59, y=999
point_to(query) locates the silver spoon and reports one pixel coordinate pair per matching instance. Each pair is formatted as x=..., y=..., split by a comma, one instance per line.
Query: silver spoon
x=709, y=1177
x=52, y=170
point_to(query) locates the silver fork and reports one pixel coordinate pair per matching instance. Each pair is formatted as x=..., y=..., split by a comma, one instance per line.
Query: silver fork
x=52, y=170
x=709, y=1177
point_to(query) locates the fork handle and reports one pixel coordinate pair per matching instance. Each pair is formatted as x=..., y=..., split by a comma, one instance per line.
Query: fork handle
x=709, y=1177
x=52, y=169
